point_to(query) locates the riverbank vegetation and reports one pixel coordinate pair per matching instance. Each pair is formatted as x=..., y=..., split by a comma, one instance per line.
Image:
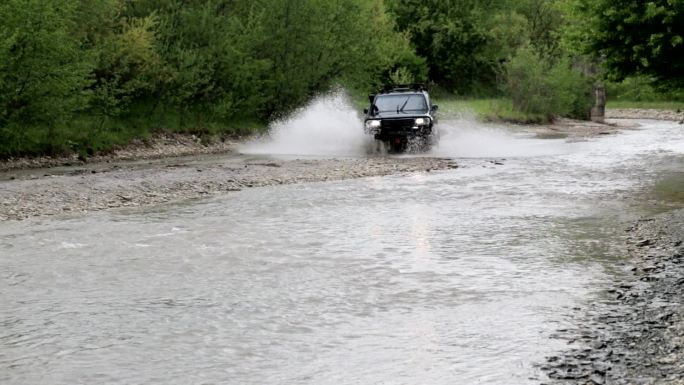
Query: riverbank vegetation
x=85, y=76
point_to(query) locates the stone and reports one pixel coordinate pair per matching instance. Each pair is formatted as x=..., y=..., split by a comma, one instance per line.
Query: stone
x=597, y=379
x=645, y=242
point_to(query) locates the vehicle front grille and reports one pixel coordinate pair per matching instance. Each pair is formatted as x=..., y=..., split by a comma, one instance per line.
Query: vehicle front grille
x=397, y=124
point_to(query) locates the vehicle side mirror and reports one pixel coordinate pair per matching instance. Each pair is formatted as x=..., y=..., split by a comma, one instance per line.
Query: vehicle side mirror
x=365, y=110
x=434, y=108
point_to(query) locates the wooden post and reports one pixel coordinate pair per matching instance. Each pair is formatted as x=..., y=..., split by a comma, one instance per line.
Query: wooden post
x=598, y=111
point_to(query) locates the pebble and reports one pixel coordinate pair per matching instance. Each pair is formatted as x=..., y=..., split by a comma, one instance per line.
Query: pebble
x=645, y=242
x=123, y=185
x=640, y=328
x=638, y=113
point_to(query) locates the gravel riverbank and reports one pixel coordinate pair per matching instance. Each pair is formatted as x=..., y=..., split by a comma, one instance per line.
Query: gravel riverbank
x=174, y=167
x=642, y=113
x=158, y=147
x=81, y=189
x=635, y=334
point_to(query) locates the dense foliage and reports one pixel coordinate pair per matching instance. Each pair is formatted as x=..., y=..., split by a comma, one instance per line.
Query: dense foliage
x=467, y=42
x=544, y=88
x=634, y=37
x=86, y=75
x=81, y=74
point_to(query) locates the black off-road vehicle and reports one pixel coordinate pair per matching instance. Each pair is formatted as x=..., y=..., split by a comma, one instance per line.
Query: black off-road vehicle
x=401, y=116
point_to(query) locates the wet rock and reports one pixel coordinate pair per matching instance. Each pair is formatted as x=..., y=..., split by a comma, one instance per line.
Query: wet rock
x=639, y=325
x=597, y=379
x=645, y=242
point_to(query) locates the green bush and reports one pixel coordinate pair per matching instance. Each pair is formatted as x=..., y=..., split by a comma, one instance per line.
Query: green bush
x=43, y=72
x=641, y=89
x=547, y=87
x=87, y=75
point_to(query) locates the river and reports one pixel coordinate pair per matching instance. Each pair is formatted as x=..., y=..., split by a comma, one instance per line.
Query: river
x=456, y=276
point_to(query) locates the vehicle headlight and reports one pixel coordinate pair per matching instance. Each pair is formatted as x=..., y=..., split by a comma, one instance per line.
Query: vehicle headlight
x=422, y=121
x=370, y=124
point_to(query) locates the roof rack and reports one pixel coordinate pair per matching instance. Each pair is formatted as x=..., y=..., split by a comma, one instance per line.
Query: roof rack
x=386, y=88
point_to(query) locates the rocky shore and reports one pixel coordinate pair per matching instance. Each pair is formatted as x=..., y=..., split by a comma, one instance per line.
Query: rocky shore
x=158, y=147
x=641, y=113
x=100, y=186
x=635, y=334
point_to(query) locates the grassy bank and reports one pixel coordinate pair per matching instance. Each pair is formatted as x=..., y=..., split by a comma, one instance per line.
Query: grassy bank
x=655, y=105
x=501, y=109
x=88, y=135
x=492, y=109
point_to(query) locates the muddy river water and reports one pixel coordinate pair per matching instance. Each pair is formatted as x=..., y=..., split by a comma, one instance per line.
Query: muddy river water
x=457, y=276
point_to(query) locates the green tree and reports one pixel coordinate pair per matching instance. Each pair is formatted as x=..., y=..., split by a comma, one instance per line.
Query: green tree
x=265, y=57
x=465, y=42
x=634, y=37
x=548, y=87
x=88, y=74
x=315, y=44
x=545, y=24
x=209, y=49
x=43, y=70
x=128, y=65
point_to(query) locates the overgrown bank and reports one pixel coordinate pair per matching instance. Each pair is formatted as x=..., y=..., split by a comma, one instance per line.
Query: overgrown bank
x=86, y=76
x=502, y=110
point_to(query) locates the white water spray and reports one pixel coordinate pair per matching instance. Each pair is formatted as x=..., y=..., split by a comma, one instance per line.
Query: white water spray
x=467, y=138
x=328, y=126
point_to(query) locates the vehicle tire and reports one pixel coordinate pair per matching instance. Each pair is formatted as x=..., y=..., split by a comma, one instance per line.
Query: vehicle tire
x=397, y=145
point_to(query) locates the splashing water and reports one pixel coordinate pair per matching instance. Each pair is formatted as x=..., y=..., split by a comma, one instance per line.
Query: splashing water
x=467, y=138
x=328, y=126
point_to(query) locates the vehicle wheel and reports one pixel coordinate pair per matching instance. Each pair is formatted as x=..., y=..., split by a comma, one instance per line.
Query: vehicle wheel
x=397, y=145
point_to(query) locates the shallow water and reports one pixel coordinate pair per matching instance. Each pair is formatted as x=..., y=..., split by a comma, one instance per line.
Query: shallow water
x=451, y=277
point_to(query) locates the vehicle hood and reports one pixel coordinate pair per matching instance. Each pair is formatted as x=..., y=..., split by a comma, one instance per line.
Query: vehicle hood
x=394, y=115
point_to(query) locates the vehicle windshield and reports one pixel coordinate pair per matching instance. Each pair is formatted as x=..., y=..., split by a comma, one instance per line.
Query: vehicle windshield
x=401, y=103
